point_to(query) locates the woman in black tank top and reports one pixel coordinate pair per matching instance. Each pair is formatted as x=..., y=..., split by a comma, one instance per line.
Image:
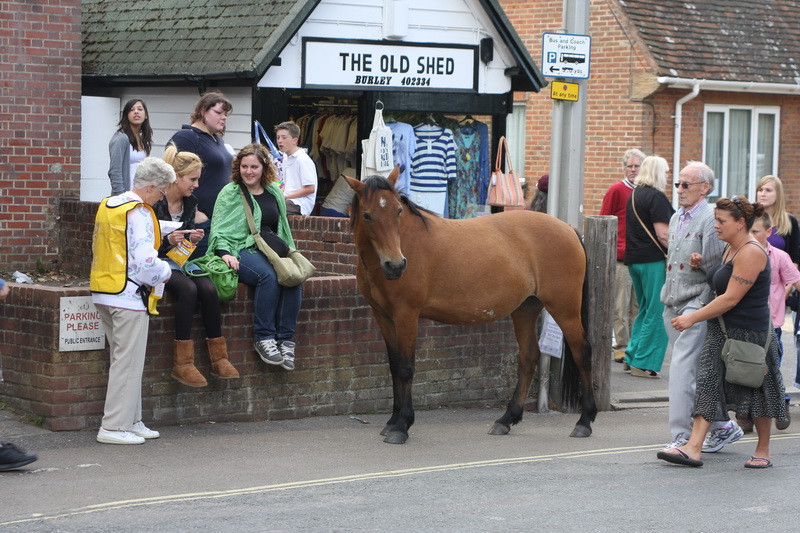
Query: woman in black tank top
x=742, y=286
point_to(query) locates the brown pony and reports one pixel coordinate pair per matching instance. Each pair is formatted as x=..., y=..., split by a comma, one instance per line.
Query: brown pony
x=413, y=264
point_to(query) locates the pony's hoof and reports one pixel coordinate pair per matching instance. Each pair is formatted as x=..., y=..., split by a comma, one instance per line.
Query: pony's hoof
x=499, y=429
x=396, y=437
x=385, y=430
x=581, y=431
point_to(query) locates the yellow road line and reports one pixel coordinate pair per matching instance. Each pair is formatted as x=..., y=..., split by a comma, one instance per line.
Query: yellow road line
x=176, y=498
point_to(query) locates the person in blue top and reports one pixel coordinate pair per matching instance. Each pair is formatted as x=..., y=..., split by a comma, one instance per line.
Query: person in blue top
x=204, y=138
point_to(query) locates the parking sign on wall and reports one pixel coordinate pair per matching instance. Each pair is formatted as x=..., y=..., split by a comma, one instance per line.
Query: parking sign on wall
x=565, y=55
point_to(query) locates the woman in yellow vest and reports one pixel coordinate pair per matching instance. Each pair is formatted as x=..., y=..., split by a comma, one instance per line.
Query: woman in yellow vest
x=125, y=264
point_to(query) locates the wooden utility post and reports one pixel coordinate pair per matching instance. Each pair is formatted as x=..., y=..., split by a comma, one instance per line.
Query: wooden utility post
x=599, y=240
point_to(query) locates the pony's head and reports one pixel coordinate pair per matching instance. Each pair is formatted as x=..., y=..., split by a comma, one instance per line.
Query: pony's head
x=376, y=218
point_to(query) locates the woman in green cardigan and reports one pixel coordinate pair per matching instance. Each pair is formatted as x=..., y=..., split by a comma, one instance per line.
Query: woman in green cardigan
x=276, y=307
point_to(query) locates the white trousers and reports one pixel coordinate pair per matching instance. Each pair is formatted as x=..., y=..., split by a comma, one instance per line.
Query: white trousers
x=686, y=346
x=126, y=332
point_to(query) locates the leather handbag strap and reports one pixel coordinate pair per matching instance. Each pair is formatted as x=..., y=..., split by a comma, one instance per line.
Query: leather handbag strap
x=249, y=214
x=725, y=331
x=633, y=204
x=498, y=161
x=502, y=147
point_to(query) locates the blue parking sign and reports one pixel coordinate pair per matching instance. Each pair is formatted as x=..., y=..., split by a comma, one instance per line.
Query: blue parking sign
x=551, y=57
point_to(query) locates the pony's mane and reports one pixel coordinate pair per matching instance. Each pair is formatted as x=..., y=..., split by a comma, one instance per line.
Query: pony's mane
x=379, y=183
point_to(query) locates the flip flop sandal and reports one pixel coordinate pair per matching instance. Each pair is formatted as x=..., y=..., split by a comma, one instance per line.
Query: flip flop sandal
x=680, y=458
x=766, y=463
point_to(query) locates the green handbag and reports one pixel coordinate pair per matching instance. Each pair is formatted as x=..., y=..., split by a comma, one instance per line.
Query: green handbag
x=224, y=278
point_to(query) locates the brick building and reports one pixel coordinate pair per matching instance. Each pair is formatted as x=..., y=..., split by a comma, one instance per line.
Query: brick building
x=647, y=55
x=40, y=125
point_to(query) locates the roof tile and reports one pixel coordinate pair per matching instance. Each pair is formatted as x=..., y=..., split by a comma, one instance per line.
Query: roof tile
x=733, y=40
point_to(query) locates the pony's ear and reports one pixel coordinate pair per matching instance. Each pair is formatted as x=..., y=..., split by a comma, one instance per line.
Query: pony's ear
x=354, y=184
x=393, y=175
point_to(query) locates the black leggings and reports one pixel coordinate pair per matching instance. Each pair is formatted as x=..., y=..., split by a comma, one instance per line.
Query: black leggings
x=187, y=291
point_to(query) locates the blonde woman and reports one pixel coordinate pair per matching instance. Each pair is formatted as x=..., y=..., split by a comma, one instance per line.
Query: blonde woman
x=646, y=233
x=785, y=233
x=180, y=205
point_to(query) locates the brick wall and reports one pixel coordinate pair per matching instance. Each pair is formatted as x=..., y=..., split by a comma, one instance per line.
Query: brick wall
x=326, y=241
x=341, y=363
x=40, y=113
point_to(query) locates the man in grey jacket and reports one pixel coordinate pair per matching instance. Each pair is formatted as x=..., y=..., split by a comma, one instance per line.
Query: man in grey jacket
x=693, y=249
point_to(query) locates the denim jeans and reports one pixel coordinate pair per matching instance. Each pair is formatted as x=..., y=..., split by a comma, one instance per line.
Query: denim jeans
x=275, y=307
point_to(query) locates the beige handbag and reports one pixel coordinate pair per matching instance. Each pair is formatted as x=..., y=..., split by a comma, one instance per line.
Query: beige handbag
x=291, y=270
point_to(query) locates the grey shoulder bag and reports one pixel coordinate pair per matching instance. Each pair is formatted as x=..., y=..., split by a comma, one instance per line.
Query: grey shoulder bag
x=745, y=362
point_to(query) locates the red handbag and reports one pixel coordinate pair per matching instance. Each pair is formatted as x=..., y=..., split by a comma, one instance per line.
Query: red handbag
x=504, y=187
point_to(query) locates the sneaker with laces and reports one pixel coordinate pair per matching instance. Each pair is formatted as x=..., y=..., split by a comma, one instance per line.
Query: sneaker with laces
x=679, y=441
x=267, y=350
x=118, y=437
x=287, y=351
x=12, y=457
x=143, y=431
x=718, y=438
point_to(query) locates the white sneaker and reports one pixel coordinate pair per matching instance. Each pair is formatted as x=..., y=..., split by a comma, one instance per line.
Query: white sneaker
x=718, y=438
x=143, y=431
x=118, y=437
x=679, y=441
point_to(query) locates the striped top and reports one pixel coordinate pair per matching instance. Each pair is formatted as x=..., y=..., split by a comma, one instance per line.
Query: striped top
x=434, y=161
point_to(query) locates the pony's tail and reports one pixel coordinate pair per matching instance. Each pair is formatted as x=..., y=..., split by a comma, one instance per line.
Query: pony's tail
x=570, y=377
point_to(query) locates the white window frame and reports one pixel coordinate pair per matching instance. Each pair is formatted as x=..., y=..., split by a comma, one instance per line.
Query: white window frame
x=721, y=189
x=516, y=135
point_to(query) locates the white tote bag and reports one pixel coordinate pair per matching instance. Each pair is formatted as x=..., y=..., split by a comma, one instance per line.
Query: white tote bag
x=377, y=157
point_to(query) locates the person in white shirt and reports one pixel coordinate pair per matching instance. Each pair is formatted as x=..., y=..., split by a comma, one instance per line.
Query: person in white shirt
x=299, y=171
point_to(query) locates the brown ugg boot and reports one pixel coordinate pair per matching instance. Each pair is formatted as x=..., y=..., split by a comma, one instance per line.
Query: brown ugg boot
x=220, y=366
x=183, y=368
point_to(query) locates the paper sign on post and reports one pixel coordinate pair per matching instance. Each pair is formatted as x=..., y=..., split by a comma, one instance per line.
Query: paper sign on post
x=551, y=338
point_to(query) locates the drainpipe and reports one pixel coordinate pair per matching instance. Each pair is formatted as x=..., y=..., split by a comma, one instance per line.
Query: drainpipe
x=676, y=146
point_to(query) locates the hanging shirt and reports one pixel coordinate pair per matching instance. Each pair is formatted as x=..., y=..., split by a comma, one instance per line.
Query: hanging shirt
x=463, y=191
x=434, y=161
x=404, y=144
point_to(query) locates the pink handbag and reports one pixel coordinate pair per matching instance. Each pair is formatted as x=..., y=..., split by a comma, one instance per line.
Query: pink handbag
x=504, y=187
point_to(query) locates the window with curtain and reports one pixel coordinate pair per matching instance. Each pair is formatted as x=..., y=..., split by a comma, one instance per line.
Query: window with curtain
x=740, y=144
x=515, y=133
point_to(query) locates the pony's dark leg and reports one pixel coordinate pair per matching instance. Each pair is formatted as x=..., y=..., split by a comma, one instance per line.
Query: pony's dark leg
x=588, y=407
x=525, y=326
x=387, y=329
x=401, y=363
x=581, y=351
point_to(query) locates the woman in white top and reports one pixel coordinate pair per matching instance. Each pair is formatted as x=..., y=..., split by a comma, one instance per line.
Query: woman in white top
x=129, y=146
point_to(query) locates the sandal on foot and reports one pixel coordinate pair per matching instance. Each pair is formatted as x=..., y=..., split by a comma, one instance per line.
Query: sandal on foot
x=679, y=458
x=763, y=462
x=642, y=373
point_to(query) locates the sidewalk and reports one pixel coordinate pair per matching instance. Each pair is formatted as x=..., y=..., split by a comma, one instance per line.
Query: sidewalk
x=628, y=392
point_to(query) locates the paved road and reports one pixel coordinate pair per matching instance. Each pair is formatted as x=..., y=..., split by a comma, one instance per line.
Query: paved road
x=335, y=474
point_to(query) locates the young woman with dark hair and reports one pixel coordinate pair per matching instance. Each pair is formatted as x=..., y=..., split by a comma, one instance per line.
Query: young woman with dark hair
x=129, y=145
